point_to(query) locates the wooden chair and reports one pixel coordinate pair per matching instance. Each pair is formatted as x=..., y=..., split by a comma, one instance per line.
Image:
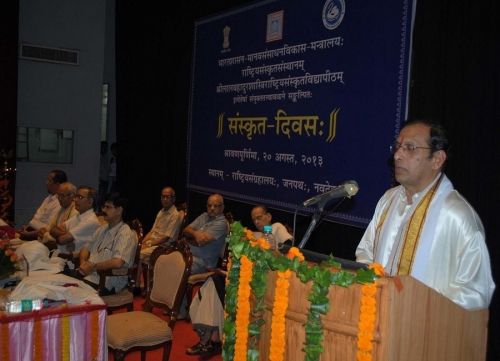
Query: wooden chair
x=124, y=298
x=196, y=280
x=145, y=259
x=142, y=330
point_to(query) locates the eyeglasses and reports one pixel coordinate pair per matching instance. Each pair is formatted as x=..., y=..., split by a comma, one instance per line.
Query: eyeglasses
x=407, y=147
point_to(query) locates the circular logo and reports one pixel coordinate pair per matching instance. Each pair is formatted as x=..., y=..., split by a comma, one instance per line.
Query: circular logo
x=333, y=13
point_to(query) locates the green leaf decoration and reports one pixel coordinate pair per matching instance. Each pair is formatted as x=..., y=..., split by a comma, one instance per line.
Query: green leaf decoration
x=328, y=273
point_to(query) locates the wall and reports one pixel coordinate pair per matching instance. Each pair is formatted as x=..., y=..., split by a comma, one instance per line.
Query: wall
x=61, y=96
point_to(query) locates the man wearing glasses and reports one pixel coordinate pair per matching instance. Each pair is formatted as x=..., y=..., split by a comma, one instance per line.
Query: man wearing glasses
x=424, y=227
x=206, y=235
x=113, y=246
x=76, y=232
x=65, y=195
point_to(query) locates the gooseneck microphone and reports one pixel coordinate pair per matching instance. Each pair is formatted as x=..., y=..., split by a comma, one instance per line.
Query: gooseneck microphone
x=346, y=189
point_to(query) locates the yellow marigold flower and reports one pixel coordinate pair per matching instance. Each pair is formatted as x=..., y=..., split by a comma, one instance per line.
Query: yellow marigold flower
x=377, y=268
x=249, y=234
x=294, y=252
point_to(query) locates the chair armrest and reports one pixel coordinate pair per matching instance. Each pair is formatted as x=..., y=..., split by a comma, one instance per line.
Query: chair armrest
x=199, y=277
x=115, y=272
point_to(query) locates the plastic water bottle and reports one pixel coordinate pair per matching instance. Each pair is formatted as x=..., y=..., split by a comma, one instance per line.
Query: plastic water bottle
x=269, y=237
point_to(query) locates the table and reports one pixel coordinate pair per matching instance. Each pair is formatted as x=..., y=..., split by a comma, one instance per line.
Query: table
x=65, y=332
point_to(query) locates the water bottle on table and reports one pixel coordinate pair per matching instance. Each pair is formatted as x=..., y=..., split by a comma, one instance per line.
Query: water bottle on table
x=269, y=237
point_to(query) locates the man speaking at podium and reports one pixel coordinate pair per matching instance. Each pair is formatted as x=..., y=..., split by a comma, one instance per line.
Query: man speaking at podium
x=424, y=227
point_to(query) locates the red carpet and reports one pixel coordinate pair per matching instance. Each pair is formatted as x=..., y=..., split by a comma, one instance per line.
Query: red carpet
x=184, y=337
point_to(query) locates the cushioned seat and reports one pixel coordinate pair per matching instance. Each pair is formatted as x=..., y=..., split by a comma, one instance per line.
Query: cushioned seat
x=142, y=330
x=136, y=328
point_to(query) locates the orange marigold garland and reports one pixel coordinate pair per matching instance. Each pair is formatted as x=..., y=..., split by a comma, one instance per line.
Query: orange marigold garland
x=294, y=252
x=280, y=305
x=277, y=346
x=243, y=310
x=367, y=316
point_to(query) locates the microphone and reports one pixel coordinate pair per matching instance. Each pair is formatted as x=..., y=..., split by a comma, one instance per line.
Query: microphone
x=346, y=189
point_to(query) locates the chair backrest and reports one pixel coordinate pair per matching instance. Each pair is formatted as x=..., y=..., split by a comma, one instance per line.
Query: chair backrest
x=169, y=271
x=136, y=226
x=183, y=214
x=180, y=223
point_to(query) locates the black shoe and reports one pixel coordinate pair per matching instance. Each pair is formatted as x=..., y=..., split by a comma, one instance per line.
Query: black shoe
x=196, y=349
x=217, y=345
x=213, y=348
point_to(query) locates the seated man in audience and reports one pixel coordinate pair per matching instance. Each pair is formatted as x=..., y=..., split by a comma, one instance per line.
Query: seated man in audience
x=207, y=316
x=207, y=309
x=206, y=235
x=48, y=209
x=113, y=246
x=76, y=232
x=65, y=195
x=261, y=217
x=164, y=230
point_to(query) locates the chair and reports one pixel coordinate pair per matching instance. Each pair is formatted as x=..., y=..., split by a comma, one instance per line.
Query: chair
x=142, y=330
x=124, y=298
x=196, y=280
x=145, y=258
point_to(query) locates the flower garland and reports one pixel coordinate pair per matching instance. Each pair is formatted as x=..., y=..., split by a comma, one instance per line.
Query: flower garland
x=367, y=317
x=243, y=310
x=232, y=285
x=280, y=306
x=277, y=345
x=251, y=259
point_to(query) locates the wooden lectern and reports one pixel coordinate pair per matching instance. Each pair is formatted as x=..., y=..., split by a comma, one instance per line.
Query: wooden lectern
x=414, y=323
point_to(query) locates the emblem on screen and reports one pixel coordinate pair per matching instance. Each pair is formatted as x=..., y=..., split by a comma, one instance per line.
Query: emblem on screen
x=333, y=13
x=274, y=26
x=225, y=33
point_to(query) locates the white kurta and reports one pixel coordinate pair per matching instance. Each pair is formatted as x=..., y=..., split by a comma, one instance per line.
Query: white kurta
x=451, y=257
x=47, y=210
x=279, y=232
x=82, y=228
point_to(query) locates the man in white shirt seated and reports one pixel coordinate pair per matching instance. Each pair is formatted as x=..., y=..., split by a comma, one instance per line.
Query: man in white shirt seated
x=65, y=195
x=48, y=209
x=113, y=246
x=76, y=232
x=425, y=228
x=165, y=229
x=262, y=217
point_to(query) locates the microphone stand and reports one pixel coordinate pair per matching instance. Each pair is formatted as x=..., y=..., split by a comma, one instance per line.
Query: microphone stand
x=314, y=222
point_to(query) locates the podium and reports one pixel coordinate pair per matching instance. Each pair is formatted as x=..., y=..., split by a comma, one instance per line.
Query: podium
x=414, y=323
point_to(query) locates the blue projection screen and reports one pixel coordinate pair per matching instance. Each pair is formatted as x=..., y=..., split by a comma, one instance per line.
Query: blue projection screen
x=291, y=98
